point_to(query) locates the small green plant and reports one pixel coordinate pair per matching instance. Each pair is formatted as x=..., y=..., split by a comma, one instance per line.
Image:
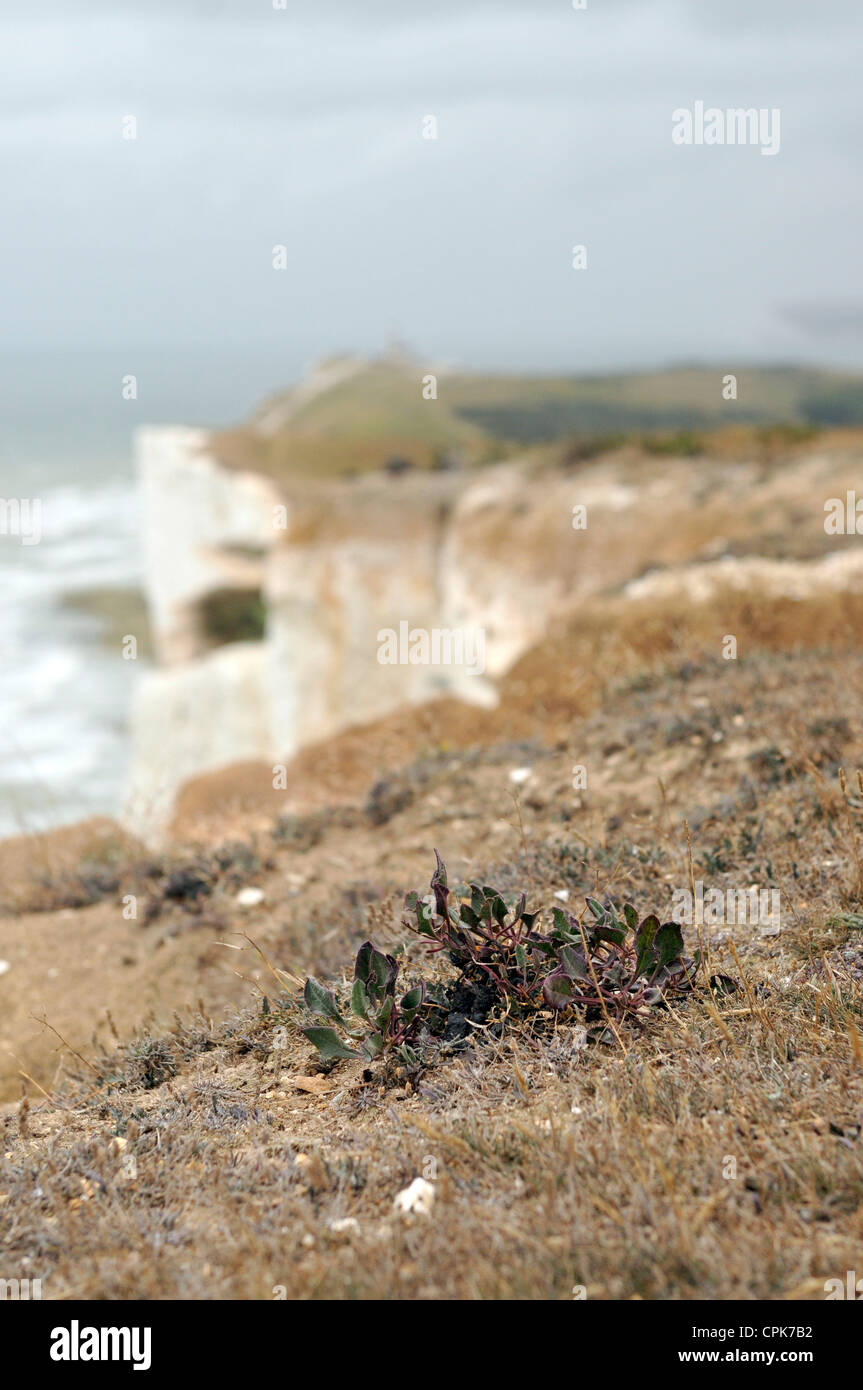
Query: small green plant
x=606, y=963
x=379, y=1022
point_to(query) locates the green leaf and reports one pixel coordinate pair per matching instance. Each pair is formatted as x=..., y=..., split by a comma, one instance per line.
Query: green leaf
x=558, y=990
x=360, y=1002
x=574, y=963
x=383, y=1018
x=565, y=927
x=607, y=932
x=669, y=944
x=645, y=938
x=328, y=1043
x=373, y=1045
x=411, y=1001
x=544, y=950
x=414, y=906
x=498, y=909
x=631, y=916
x=377, y=971
x=439, y=875
x=439, y=887
x=321, y=1001
x=596, y=908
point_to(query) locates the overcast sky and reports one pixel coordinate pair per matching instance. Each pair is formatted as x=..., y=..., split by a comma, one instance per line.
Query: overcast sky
x=303, y=126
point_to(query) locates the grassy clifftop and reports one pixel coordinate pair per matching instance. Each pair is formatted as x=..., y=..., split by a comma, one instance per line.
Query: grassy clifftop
x=351, y=415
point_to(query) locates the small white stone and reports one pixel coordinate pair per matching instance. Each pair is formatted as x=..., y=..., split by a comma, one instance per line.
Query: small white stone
x=562, y=894
x=347, y=1225
x=418, y=1199
x=4, y=966
x=250, y=897
x=519, y=774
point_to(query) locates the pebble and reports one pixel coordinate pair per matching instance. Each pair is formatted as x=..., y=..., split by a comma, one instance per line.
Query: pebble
x=417, y=1200
x=346, y=1225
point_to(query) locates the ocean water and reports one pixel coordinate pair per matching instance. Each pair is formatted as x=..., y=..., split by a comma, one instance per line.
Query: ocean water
x=64, y=692
x=66, y=440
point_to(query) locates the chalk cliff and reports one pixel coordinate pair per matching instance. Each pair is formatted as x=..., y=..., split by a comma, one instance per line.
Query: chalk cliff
x=268, y=598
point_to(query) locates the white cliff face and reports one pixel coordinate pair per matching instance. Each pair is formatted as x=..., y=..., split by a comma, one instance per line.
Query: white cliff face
x=205, y=528
x=483, y=558
x=495, y=552
x=491, y=554
x=489, y=579
x=194, y=718
x=361, y=561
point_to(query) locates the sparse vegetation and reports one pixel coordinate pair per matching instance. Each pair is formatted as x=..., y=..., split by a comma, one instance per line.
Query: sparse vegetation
x=382, y=1024
x=717, y=1154
x=604, y=964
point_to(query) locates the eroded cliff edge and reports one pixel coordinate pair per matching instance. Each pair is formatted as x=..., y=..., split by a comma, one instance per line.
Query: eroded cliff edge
x=268, y=597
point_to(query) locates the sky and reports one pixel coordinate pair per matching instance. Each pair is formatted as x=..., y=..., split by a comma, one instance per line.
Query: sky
x=303, y=127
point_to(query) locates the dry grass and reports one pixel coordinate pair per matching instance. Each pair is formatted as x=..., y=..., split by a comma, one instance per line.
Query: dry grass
x=566, y=677
x=553, y=1167
x=717, y=1156
x=68, y=867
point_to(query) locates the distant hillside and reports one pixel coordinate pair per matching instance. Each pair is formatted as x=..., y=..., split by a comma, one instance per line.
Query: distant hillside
x=351, y=415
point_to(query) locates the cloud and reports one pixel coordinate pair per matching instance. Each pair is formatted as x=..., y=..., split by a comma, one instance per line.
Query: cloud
x=303, y=127
x=828, y=320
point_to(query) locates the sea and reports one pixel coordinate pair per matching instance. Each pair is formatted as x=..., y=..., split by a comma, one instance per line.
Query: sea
x=66, y=444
